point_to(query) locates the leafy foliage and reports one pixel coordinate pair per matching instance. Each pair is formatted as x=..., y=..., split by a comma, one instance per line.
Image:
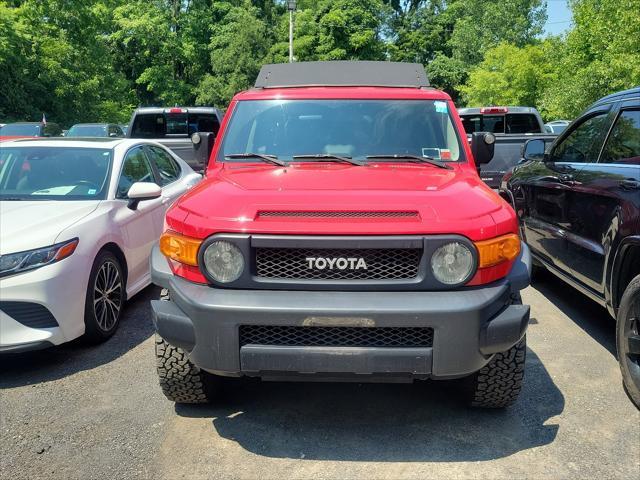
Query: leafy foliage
x=95, y=60
x=562, y=76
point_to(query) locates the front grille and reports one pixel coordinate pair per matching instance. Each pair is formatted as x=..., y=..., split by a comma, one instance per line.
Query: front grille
x=339, y=214
x=381, y=264
x=294, y=336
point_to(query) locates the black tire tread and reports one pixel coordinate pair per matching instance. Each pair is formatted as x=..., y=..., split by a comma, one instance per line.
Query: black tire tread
x=498, y=384
x=181, y=381
x=628, y=297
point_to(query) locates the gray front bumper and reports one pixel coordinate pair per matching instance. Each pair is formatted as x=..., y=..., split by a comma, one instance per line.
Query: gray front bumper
x=469, y=326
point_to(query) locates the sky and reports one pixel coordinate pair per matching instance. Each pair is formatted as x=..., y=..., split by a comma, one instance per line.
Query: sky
x=559, y=17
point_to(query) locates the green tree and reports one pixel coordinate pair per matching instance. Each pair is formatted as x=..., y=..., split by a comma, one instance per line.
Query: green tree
x=58, y=63
x=451, y=37
x=511, y=75
x=239, y=43
x=601, y=55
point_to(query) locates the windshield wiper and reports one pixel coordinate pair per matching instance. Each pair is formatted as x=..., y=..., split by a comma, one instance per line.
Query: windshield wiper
x=330, y=156
x=412, y=158
x=267, y=158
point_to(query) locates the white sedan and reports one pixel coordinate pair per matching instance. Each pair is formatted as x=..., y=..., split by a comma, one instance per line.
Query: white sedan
x=78, y=219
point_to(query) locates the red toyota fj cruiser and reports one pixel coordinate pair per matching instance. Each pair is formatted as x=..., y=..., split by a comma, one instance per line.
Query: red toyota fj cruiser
x=342, y=232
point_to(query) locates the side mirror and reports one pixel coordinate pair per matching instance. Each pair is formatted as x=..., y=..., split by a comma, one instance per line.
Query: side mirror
x=482, y=147
x=533, y=150
x=113, y=134
x=202, y=145
x=140, y=191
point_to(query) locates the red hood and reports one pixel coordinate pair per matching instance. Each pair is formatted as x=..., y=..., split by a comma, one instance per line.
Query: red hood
x=446, y=201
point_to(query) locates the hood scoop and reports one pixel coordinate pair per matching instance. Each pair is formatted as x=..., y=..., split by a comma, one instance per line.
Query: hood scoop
x=338, y=215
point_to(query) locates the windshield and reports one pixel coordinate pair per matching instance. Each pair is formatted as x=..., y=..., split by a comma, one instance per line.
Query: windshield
x=513, y=123
x=20, y=130
x=87, y=131
x=348, y=128
x=58, y=173
x=158, y=125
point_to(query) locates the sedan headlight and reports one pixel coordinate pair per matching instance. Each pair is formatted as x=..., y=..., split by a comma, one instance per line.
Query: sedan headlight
x=452, y=263
x=223, y=261
x=31, y=259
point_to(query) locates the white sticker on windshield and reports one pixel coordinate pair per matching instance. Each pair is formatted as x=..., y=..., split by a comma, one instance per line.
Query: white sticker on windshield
x=431, y=152
x=92, y=191
x=441, y=107
x=63, y=190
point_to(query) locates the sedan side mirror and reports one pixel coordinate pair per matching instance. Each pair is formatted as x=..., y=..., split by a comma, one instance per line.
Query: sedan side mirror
x=533, y=150
x=140, y=191
x=482, y=147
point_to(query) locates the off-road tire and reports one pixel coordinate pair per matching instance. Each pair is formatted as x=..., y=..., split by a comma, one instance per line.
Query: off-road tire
x=181, y=381
x=628, y=323
x=498, y=384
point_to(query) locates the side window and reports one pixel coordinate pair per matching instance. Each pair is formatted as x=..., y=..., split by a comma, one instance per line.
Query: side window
x=623, y=144
x=580, y=146
x=167, y=167
x=136, y=168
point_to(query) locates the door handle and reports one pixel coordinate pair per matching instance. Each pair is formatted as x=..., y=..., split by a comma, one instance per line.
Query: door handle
x=567, y=179
x=630, y=184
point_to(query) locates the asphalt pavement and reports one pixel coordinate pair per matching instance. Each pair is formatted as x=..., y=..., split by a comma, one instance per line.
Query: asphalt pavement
x=79, y=411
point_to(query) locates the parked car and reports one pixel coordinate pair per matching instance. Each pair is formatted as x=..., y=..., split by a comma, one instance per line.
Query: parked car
x=95, y=130
x=125, y=127
x=557, y=126
x=176, y=127
x=512, y=127
x=578, y=203
x=12, y=131
x=78, y=219
x=342, y=232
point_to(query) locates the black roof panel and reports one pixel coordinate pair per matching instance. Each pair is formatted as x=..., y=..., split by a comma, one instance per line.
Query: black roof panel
x=342, y=73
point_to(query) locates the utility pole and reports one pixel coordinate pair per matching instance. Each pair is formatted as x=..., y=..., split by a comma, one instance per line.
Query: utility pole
x=291, y=6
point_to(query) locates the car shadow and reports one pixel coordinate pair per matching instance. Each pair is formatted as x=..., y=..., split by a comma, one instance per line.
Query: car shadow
x=57, y=362
x=590, y=316
x=423, y=421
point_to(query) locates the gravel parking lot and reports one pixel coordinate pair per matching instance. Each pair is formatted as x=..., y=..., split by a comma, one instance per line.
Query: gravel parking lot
x=97, y=412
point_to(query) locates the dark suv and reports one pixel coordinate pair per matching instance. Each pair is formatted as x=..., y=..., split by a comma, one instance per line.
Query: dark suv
x=578, y=204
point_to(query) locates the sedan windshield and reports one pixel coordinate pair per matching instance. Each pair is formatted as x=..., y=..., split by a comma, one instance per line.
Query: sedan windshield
x=20, y=130
x=58, y=173
x=87, y=131
x=297, y=130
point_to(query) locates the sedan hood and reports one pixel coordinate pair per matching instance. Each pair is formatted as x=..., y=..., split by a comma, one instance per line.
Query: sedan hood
x=235, y=198
x=25, y=225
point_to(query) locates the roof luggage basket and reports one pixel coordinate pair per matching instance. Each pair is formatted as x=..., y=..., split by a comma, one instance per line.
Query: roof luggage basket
x=343, y=74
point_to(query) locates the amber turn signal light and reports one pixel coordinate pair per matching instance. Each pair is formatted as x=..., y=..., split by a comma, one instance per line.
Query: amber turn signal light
x=498, y=250
x=180, y=248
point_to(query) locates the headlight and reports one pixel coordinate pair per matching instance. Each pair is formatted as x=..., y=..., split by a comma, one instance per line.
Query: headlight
x=224, y=261
x=31, y=259
x=452, y=263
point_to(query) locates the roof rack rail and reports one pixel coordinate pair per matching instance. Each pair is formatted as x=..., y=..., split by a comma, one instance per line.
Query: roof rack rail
x=342, y=73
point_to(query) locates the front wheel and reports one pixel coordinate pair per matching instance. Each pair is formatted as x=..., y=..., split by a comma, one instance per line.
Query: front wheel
x=181, y=381
x=105, y=298
x=498, y=384
x=628, y=339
